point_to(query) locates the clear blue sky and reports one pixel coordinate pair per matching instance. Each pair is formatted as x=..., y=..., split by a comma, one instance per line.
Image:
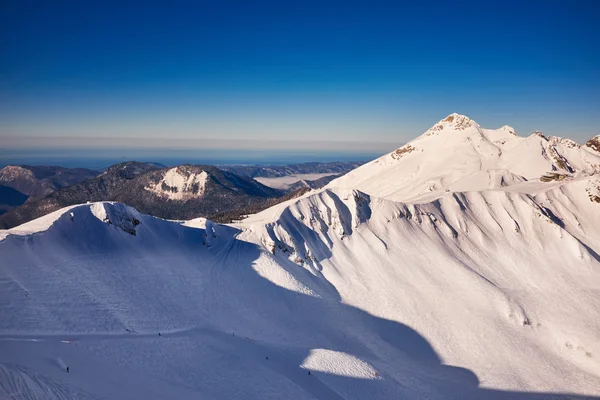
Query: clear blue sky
x=362, y=71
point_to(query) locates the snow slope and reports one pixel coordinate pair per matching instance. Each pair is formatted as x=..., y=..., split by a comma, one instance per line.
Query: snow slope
x=457, y=155
x=485, y=286
x=221, y=304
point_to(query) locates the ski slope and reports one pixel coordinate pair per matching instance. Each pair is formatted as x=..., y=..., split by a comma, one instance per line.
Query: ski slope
x=485, y=286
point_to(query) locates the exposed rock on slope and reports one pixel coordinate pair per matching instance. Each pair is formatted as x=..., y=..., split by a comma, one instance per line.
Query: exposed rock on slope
x=182, y=192
x=594, y=144
x=457, y=155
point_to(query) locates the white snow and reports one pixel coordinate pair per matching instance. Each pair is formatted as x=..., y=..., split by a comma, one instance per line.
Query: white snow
x=339, y=363
x=99, y=211
x=459, y=274
x=37, y=225
x=176, y=185
x=460, y=156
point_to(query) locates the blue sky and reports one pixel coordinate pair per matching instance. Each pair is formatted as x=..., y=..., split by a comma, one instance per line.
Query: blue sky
x=103, y=73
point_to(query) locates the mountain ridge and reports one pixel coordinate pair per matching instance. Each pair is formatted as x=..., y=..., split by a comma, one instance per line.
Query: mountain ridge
x=34, y=182
x=183, y=192
x=439, y=159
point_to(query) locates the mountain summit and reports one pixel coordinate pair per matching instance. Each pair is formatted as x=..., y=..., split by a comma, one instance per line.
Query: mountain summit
x=453, y=121
x=458, y=155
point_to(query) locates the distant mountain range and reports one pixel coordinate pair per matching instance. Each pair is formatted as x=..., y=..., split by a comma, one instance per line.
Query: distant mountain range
x=182, y=192
x=295, y=176
x=20, y=183
x=275, y=171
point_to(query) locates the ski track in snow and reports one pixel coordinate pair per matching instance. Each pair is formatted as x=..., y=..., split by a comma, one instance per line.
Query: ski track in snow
x=18, y=381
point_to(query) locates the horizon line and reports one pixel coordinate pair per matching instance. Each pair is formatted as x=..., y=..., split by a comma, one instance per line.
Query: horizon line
x=132, y=143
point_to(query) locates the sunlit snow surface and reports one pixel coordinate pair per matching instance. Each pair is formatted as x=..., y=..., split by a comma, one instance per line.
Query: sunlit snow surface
x=485, y=286
x=339, y=363
x=178, y=186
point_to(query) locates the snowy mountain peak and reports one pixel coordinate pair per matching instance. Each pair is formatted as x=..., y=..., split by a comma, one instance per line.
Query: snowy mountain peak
x=453, y=121
x=556, y=140
x=509, y=129
x=471, y=158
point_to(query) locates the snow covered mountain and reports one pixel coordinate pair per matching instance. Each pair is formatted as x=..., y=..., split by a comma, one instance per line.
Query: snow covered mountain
x=182, y=192
x=457, y=155
x=470, y=272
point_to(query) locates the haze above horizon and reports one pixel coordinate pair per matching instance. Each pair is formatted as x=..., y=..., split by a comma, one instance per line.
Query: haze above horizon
x=337, y=79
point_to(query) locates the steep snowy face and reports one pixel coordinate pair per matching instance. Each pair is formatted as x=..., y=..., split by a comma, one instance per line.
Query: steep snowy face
x=470, y=269
x=457, y=155
x=180, y=183
x=121, y=216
